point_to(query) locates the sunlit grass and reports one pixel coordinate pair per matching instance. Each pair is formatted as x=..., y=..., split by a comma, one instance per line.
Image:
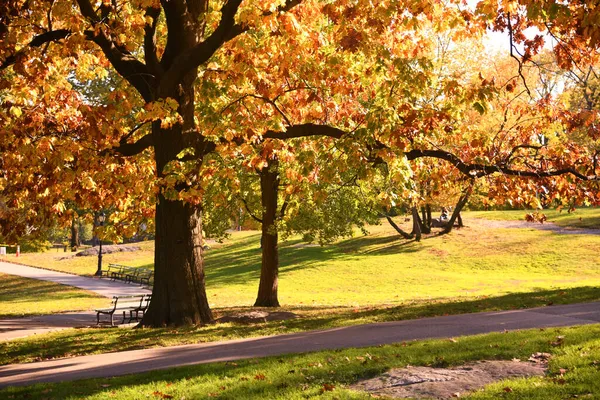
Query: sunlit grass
x=378, y=277
x=22, y=296
x=585, y=217
x=574, y=371
x=68, y=262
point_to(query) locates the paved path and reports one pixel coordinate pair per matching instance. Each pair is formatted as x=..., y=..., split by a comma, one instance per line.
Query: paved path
x=21, y=327
x=103, y=287
x=27, y=326
x=128, y=362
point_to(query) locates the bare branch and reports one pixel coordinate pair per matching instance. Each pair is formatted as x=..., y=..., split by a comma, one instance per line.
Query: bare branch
x=512, y=47
x=131, y=149
x=250, y=212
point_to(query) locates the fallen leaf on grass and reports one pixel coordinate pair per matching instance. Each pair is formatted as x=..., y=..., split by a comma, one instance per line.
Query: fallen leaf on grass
x=507, y=389
x=560, y=340
x=327, y=388
x=162, y=395
x=260, y=377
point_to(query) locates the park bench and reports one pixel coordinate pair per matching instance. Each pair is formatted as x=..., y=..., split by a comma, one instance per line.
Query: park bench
x=145, y=276
x=121, y=271
x=59, y=246
x=128, y=274
x=137, y=304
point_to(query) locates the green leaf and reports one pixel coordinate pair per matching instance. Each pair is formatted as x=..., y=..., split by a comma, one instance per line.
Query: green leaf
x=480, y=107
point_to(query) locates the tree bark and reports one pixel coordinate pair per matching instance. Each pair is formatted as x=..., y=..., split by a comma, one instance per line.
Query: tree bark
x=416, y=224
x=425, y=221
x=401, y=232
x=269, y=272
x=462, y=201
x=179, y=294
x=74, y=233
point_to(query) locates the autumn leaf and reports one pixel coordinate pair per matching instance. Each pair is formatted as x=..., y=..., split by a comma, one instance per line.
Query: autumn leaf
x=162, y=395
x=327, y=388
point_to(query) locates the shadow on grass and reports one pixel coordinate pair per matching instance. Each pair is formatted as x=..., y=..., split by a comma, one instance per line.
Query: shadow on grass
x=17, y=289
x=240, y=262
x=307, y=375
x=91, y=341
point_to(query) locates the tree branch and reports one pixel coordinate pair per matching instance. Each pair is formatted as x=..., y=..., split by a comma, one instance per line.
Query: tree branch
x=226, y=30
x=250, y=212
x=150, y=55
x=305, y=130
x=129, y=67
x=39, y=40
x=480, y=170
x=131, y=149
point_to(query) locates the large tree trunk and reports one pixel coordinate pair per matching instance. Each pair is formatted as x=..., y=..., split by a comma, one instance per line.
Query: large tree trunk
x=179, y=294
x=74, y=233
x=269, y=272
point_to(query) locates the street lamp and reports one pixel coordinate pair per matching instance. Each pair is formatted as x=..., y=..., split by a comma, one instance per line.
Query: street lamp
x=101, y=219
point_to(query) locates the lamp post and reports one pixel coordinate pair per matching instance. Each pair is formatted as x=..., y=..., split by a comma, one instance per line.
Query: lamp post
x=101, y=219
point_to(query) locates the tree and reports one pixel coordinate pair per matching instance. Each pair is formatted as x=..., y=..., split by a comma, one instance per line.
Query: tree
x=182, y=60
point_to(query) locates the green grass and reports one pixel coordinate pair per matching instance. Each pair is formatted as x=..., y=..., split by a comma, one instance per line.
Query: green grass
x=22, y=296
x=68, y=262
x=381, y=269
x=574, y=370
x=580, y=218
x=364, y=279
x=77, y=342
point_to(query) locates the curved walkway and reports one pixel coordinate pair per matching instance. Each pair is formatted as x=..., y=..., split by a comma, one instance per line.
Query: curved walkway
x=103, y=287
x=21, y=327
x=136, y=361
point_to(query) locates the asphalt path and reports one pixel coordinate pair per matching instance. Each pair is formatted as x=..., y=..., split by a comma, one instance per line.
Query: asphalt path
x=103, y=287
x=21, y=327
x=136, y=361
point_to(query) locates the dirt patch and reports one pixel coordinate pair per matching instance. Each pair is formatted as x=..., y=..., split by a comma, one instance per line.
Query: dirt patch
x=253, y=317
x=448, y=383
x=438, y=252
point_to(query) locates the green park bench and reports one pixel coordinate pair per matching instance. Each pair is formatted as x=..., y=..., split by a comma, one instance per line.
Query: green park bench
x=135, y=305
x=128, y=274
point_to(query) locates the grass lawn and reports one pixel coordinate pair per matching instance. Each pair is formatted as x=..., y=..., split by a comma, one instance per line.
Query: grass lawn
x=573, y=373
x=68, y=262
x=366, y=279
x=585, y=217
x=23, y=296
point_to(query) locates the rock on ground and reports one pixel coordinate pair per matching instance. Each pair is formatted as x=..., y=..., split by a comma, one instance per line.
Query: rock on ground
x=447, y=383
x=93, y=251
